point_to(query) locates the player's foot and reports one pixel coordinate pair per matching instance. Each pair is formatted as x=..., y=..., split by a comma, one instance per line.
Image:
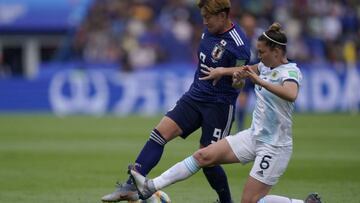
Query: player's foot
x=144, y=186
x=123, y=192
x=313, y=198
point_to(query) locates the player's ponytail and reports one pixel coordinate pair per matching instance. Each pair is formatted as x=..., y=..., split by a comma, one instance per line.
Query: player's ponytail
x=274, y=37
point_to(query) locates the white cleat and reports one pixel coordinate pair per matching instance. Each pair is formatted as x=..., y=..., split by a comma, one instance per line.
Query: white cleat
x=144, y=186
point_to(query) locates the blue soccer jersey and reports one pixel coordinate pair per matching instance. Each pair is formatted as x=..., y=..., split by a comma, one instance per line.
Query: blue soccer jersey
x=222, y=50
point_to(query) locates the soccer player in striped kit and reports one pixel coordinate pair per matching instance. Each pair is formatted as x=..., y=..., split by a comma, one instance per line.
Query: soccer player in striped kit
x=208, y=104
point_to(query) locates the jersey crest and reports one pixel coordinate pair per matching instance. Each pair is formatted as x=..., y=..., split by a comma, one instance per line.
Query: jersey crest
x=218, y=51
x=274, y=75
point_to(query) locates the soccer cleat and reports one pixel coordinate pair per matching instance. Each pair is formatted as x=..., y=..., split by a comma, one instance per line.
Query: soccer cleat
x=123, y=192
x=144, y=186
x=313, y=198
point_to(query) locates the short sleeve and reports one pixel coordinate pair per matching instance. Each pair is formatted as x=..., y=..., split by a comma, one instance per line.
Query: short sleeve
x=292, y=74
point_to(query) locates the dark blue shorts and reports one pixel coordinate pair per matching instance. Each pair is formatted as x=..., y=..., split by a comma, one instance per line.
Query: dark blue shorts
x=214, y=119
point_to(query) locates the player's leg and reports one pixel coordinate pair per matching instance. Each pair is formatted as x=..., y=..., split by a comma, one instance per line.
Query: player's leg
x=254, y=190
x=312, y=198
x=270, y=163
x=209, y=159
x=180, y=171
x=217, y=122
x=215, y=154
x=147, y=159
x=219, y=152
x=153, y=149
x=224, y=151
x=181, y=120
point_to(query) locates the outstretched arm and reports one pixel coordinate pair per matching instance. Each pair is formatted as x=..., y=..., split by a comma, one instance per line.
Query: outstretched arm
x=216, y=74
x=288, y=90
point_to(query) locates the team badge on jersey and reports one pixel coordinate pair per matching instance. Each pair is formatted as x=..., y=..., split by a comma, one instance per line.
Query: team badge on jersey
x=274, y=75
x=218, y=51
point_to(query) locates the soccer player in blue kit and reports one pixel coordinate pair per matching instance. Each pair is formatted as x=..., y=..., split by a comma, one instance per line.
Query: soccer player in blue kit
x=267, y=142
x=208, y=104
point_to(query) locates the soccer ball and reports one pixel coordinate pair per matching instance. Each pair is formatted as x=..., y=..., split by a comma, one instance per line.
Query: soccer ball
x=158, y=197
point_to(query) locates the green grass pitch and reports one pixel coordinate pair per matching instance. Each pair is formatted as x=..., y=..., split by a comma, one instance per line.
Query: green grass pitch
x=78, y=159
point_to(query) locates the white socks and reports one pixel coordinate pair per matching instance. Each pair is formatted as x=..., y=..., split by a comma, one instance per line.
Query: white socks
x=189, y=166
x=278, y=199
x=180, y=171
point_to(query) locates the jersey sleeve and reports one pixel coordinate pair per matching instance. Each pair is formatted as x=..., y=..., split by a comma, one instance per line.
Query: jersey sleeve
x=292, y=74
x=241, y=53
x=240, y=47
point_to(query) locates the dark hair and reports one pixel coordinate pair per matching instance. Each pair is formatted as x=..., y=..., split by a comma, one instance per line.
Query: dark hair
x=215, y=6
x=274, y=37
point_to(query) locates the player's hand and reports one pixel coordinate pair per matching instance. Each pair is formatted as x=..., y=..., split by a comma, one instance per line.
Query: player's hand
x=240, y=74
x=252, y=75
x=238, y=79
x=210, y=73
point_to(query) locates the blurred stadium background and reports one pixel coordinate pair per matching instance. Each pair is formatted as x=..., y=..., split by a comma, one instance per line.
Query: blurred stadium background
x=78, y=76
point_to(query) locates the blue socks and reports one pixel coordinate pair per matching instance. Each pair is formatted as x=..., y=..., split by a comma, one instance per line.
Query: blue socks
x=150, y=154
x=217, y=178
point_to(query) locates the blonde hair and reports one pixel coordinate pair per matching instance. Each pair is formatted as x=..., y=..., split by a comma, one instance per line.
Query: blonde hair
x=214, y=6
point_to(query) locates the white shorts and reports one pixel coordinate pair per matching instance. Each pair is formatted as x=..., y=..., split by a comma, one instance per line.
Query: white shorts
x=270, y=162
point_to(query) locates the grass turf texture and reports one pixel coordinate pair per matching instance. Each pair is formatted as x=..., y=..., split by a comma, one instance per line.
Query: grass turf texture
x=78, y=159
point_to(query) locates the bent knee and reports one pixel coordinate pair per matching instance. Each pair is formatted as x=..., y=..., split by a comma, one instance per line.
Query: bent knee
x=204, y=159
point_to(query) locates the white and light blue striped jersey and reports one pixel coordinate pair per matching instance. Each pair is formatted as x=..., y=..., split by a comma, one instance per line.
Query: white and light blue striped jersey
x=272, y=116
